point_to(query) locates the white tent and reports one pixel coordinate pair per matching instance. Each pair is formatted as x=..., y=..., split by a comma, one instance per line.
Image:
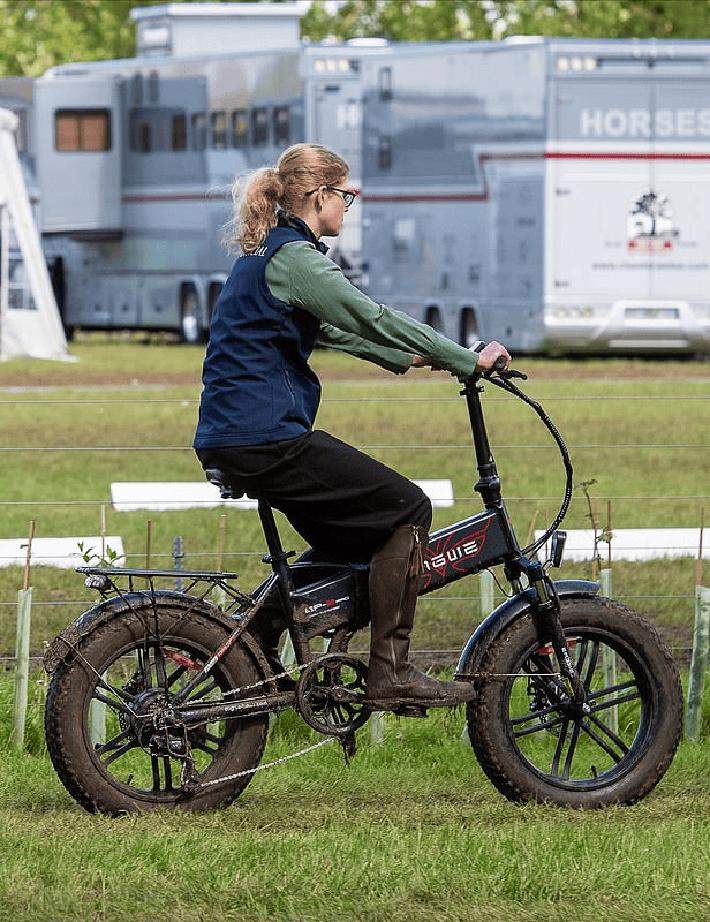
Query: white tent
x=29, y=319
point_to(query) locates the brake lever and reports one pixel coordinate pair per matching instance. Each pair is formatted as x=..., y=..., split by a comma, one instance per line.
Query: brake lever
x=512, y=373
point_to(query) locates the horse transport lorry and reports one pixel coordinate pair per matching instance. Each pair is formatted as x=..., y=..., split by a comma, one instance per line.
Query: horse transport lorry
x=548, y=193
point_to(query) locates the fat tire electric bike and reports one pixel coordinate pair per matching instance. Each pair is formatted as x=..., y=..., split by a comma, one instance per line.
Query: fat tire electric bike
x=578, y=699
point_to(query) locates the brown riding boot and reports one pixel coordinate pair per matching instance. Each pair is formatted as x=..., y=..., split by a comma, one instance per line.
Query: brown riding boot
x=392, y=683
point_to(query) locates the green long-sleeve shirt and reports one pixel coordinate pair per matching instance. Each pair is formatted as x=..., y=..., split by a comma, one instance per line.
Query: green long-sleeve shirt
x=302, y=276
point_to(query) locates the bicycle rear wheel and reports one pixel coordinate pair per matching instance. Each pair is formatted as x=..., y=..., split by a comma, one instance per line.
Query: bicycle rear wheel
x=106, y=764
x=534, y=743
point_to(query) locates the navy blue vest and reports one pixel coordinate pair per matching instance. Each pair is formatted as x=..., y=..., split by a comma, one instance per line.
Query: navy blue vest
x=258, y=387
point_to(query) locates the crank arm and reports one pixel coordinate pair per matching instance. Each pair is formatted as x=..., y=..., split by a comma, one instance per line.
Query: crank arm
x=199, y=714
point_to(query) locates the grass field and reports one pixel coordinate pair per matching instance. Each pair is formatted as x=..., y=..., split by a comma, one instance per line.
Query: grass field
x=112, y=393
x=412, y=829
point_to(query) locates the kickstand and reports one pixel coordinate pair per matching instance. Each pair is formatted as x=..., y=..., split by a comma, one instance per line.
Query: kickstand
x=349, y=747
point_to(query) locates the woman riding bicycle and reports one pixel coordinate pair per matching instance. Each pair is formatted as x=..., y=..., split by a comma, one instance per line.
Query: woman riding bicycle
x=260, y=400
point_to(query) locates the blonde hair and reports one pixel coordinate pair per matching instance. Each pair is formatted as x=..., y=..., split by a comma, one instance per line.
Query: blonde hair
x=258, y=196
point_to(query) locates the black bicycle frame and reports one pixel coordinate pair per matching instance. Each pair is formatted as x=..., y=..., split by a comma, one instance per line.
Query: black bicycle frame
x=331, y=598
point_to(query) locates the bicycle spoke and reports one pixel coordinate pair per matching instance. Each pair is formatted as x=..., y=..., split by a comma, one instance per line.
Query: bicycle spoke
x=205, y=691
x=555, y=770
x=113, y=743
x=117, y=705
x=548, y=725
x=141, y=656
x=614, y=701
x=167, y=768
x=593, y=659
x=612, y=736
x=582, y=655
x=622, y=686
x=570, y=752
x=211, y=738
x=161, y=672
x=117, y=753
x=181, y=670
x=533, y=715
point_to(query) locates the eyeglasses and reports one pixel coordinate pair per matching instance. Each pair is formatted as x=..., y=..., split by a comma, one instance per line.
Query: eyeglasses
x=347, y=195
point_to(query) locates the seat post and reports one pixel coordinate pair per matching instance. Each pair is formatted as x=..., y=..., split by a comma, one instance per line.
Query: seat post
x=278, y=559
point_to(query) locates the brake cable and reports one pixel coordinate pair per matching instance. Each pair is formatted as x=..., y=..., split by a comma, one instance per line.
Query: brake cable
x=505, y=384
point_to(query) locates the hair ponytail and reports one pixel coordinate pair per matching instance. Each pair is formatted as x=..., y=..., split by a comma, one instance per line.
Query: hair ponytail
x=258, y=196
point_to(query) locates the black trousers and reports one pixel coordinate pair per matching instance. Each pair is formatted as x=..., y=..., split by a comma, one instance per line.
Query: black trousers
x=344, y=503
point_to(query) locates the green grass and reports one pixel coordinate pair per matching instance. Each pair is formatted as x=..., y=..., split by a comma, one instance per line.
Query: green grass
x=411, y=830
x=367, y=407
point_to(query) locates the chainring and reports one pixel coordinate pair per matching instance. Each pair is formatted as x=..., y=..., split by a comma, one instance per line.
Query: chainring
x=330, y=694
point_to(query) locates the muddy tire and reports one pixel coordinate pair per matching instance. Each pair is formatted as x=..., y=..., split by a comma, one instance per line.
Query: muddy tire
x=90, y=769
x=522, y=726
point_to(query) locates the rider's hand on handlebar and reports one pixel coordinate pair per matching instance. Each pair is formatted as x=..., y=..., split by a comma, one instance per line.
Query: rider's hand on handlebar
x=489, y=355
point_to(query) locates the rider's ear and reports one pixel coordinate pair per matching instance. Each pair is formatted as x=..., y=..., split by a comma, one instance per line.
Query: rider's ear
x=320, y=195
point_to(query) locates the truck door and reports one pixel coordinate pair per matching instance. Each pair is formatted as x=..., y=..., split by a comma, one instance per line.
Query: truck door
x=680, y=180
x=336, y=121
x=593, y=185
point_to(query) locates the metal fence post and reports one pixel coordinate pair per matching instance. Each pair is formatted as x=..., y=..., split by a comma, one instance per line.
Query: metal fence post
x=22, y=649
x=97, y=720
x=487, y=604
x=608, y=655
x=22, y=666
x=698, y=663
x=486, y=593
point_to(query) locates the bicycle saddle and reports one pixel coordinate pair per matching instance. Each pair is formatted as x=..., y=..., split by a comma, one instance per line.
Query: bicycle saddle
x=220, y=479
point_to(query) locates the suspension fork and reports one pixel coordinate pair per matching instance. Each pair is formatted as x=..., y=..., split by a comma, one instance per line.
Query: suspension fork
x=547, y=614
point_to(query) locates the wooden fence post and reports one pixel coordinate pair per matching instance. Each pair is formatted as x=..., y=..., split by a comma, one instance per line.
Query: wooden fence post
x=177, y=560
x=698, y=663
x=148, y=542
x=22, y=649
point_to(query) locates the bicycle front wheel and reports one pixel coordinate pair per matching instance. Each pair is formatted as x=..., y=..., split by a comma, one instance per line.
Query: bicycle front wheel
x=535, y=743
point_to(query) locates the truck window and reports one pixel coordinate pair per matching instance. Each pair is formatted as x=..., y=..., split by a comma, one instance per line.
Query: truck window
x=240, y=128
x=199, y=131
x=145, y=138
x=218, y=130
x=179, y=132
x=259, y=126
x=82, y=130
x=282, y=125
x=21, y=130
x=384, y=81
x=384, y=152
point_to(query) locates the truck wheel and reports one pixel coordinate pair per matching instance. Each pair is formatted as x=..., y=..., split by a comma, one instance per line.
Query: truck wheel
x=190, y=329
x=112, y=769
x=535, y=744
x=469, y=334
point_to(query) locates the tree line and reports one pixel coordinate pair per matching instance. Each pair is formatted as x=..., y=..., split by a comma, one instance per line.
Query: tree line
x=37, y=34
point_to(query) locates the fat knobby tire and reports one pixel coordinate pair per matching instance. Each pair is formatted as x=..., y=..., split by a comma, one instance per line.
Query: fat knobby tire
x=489, y=728
x=67, y=705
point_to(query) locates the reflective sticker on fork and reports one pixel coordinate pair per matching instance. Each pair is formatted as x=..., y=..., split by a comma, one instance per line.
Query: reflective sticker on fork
x=547, y=649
